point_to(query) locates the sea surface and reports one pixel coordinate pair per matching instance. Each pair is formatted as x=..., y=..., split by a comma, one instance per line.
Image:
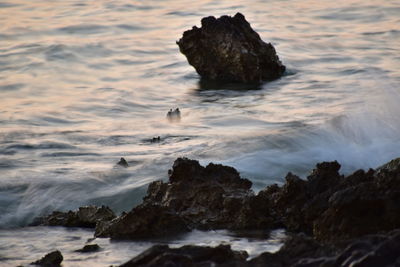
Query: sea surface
x=84, y=83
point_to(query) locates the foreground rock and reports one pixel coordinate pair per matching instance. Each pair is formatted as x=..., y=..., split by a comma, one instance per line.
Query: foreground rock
x=196, y=197
x=162, y=255
x=371, y=250
x=333, y=208
x=327, y=205
x=52, y=259
x=87, y=216
x=298, y=250
x=228, y=49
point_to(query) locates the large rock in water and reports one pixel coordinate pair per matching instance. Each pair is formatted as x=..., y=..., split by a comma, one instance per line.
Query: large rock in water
x=228, y=49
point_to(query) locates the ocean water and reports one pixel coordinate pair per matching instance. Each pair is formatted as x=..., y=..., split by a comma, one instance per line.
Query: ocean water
x=83, y=83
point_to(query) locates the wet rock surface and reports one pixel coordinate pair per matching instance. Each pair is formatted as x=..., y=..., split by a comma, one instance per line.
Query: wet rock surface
x=298, y=250
x=87, y=216
x=228, y=49
x=53, y=259
x=332, y=220
x=327, y=205
x=162, y=255
x=196, y=197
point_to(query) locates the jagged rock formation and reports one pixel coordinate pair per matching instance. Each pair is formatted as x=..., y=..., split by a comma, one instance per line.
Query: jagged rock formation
x=228, y=49
x=196, y=197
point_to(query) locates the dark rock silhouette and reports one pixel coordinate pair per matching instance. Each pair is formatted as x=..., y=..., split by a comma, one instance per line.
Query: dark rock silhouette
x=196, y=197
x=343, y=221
x=298, y=250
x=52, y=259
x=123, y=163
x=162, y=255
x=174, y=115
x=89, y=248
x=228, y=49
x=327, y=205
x=155, y=139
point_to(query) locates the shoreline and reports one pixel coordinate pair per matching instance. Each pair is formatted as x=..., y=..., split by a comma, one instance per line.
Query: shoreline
x=324, y=215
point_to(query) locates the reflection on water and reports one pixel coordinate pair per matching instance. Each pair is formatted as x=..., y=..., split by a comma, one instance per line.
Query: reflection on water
x=84, y=83
x=211, y=85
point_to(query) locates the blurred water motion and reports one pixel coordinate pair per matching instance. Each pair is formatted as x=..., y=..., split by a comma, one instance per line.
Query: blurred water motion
x=84, y=83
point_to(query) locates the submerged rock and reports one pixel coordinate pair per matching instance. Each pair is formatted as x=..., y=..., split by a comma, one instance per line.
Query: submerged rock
x=162, y=255
x=87, y=216
x=174, y=115
x=52, y=259
x=196, y=197
x=123, y=163
x=89, y=248
x=228, y=49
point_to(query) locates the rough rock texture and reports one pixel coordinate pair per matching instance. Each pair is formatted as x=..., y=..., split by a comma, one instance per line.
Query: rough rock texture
x=87, y=216
x=326, y=205
x=368, y=251
x=370, y=206
x=295, y=248
x=332, y=207
x=211, y=197
x=228, y=49
x=144, y=221
x=162, y=255
x=52, y=259
x=298, y=250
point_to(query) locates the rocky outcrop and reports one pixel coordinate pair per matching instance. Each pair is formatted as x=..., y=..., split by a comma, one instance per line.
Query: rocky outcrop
x=195, y=197
x=228, y=49
x=53, y=259
x=327, y=205
x=162, y=255
x=87, y=216
x=334, y=208
x=368, y=206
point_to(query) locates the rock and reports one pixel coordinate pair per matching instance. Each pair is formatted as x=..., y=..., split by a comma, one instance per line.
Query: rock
x=144, y=221
x=162, y=255
x=87, y=216
x=297, y=247
x=196, y=197
x=367, y=207
x=89, y=248
x=49, y=260
x=174, y=115
x=228, y=49
x=334, y=208
x=367, y=251
x=123, y=163
x=155, y=139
